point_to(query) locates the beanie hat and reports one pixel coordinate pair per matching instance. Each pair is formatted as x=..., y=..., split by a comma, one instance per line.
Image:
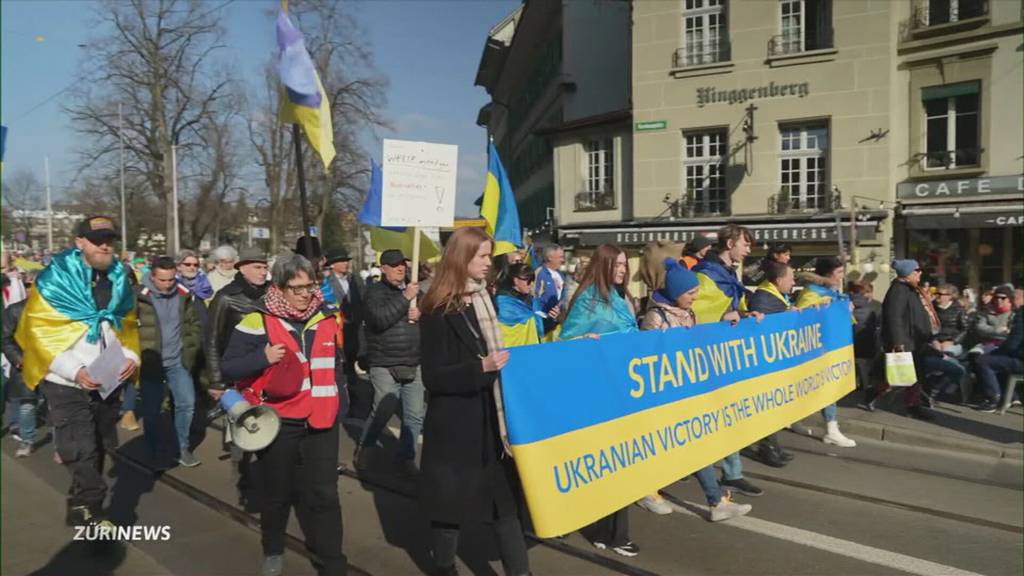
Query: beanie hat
x=904, y=268
x=678, y=279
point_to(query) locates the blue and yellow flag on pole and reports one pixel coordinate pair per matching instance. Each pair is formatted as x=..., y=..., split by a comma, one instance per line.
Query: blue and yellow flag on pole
x=499, y=207
x=381, y=238
x=303, y=100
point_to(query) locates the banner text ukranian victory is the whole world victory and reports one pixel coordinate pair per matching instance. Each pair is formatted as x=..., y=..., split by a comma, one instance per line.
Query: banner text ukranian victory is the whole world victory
x=597, y=424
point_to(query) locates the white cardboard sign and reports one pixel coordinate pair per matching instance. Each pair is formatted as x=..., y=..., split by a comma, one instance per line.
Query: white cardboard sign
x=418, y=183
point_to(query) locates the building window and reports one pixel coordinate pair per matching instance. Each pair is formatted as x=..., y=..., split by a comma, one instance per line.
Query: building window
x=804, y=25
x=704, y=173
x=599, y=189
x=803, y=158
x=952, y=128
x=705, y=35
x=935, y=12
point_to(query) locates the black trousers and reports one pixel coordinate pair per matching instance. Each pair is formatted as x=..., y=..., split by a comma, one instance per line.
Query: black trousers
x=511, y=544
x=612, y=530
x=85, y=429
x=300, y=468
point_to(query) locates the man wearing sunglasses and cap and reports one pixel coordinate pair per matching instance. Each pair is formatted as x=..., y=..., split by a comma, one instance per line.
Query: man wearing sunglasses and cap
x=82, y=305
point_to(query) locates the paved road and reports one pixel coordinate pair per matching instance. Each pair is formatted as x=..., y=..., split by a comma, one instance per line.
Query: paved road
x=848, y=512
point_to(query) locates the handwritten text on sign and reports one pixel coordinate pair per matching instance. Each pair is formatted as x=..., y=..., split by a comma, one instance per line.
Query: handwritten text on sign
x=418, y=183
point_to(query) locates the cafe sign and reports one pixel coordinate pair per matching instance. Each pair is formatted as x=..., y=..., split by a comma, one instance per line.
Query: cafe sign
x=966, y=188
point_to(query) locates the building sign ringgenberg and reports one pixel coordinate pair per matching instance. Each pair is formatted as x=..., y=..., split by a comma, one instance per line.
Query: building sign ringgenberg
x=711, y=95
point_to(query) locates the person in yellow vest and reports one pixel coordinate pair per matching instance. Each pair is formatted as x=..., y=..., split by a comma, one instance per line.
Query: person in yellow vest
x=822, y=288
x=722, y=297
x=81, y=306
x=284, y=356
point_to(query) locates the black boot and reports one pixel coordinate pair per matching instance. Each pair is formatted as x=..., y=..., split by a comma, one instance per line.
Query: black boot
x=769, y=453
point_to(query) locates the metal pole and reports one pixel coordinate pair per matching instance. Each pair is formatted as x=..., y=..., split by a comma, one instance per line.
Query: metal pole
x=124, y=208
x=853, y=232
x=49, y=207
x=174, y=197
x=307, y=245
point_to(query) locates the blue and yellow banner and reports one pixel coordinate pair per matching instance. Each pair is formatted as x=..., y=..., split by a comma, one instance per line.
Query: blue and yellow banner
x=595, y=425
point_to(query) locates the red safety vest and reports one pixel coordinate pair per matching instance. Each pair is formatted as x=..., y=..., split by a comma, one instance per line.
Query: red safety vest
x=317, y=398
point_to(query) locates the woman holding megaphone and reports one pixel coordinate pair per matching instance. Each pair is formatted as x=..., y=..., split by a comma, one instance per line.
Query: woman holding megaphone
x=283, y=356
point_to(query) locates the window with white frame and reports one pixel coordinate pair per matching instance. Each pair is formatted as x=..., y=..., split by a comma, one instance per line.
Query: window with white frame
x=705, y=35
x=599, y=191
x=704, y=171
x=803, y=25
x=803, y=157
x=952, y=137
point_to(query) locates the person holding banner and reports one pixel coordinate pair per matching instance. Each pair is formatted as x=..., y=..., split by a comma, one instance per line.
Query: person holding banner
x=597, y=309
x=823, y=287
x=467, y=471
x=671, y=307
x=722, y=297
x=283, y=355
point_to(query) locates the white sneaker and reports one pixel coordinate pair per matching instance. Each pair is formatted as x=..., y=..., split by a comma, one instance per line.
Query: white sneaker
x=836, y=438
x=24, y=449
x=655, y=503
x=726, y=509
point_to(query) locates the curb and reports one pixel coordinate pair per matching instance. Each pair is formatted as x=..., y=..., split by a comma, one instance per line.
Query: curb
x=908, y=437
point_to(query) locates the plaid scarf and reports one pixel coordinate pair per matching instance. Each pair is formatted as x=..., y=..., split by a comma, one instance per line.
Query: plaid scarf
x=279, y=306
x=488, y=320
x=933, y=316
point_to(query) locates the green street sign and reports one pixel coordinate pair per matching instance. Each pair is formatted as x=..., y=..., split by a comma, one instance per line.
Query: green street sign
x=651, y=125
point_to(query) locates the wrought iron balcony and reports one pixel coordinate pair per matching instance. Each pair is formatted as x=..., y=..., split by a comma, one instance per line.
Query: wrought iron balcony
x=591, y=201
x=788, y=44
x=784, y=203
x=927, y=13
x=958, y=158
x=707, y=53
x=690, y=206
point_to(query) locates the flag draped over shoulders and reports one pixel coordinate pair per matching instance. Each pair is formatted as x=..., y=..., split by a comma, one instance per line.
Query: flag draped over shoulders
x=591, y=314
x=60, y=309
x=520, y=323
x=720, y=291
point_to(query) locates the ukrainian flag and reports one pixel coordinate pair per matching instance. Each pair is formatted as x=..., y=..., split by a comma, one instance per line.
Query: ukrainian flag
x=499, y=207
x=382, y=239
x=303, y=100
x=520, y=325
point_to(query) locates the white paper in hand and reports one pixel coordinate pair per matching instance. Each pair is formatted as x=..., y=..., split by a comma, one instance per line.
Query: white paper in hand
x=106, y=370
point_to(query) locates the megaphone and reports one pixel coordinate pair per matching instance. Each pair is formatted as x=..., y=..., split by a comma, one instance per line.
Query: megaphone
x=251, y=428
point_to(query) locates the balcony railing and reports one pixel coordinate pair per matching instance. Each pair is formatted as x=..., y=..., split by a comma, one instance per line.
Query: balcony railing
x=784, y=203
x=927, y=13
x=707, y=53
x=590, y=201
x=787, y=44
x=689, y=206
x=947, y=159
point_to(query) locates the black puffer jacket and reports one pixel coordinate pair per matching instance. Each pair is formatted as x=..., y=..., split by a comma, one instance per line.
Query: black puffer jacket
x=391, y=340
x=230, y=304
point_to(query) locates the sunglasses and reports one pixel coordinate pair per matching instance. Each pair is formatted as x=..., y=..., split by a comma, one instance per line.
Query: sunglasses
x=527, y=279
x=944, y=294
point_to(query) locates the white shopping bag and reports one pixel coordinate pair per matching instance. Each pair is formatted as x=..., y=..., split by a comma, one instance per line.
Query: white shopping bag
x=899, y=369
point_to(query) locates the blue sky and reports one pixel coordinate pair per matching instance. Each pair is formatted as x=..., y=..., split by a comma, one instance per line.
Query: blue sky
x=429, y=50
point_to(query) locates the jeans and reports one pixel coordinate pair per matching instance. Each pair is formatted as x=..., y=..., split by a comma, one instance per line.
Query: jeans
x=183, y=392
x=386, y=395
x=951, y=370
x=300, y=469
x=991, y=369
x=129, y=398
x=709, y=483
x=27, y=420
x=829, y=413
x=511, y=545
x=732, y=467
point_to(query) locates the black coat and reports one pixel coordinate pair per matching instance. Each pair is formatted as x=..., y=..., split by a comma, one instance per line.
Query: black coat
x=391, y=340
x=905, y=321
x=868, y=316
x=230, y=304
x=15, y=387
x=952, y=322
x=464, y=475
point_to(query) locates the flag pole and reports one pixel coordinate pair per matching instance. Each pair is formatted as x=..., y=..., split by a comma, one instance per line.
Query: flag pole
x=307, y=243
x=415, y=259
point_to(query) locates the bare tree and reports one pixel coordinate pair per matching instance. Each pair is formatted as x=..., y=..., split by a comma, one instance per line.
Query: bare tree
x=155, y=59
x=22, y=193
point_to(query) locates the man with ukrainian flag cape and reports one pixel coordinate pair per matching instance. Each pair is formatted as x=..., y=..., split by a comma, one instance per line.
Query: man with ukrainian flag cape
x=723, y=297
x=81, y=305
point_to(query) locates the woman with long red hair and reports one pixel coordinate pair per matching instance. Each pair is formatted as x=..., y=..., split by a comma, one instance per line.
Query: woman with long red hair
x=467, y=472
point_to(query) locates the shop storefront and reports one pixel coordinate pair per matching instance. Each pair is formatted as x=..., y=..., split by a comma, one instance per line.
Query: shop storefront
x=967, y=232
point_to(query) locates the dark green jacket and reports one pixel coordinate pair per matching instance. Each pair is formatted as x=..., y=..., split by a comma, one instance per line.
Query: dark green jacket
x=149, y=332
